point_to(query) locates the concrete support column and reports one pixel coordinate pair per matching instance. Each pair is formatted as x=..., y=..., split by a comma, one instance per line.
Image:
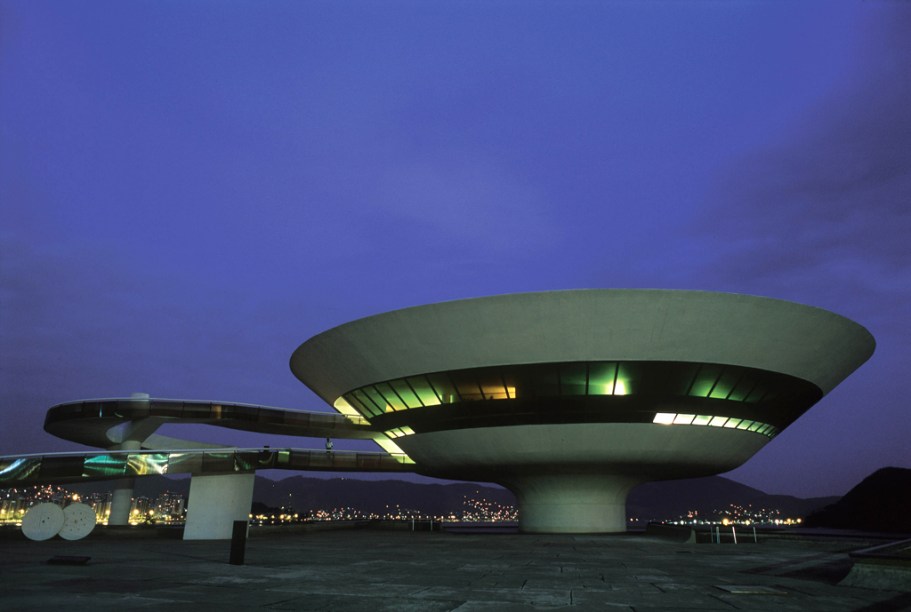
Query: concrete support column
x=122, y=497
x=214, y=504
x=121, y=501
x=571, y=503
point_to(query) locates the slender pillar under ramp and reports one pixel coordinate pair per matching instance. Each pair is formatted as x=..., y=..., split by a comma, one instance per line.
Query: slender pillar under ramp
x=121, y=502
x=122, y=496
x=214, y=504
x=572, y=503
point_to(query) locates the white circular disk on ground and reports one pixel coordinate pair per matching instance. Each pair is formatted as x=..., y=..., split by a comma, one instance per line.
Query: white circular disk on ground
x=42, y=521
x=78, y=521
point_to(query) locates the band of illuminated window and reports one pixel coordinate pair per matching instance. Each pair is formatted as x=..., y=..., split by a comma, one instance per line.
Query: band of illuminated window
x=671, y=418
x=398, y=432
x=510, y=382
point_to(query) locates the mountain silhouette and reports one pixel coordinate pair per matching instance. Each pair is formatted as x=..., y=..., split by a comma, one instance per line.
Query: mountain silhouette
x=881, y=502
x=651, y=501
x=672, y=498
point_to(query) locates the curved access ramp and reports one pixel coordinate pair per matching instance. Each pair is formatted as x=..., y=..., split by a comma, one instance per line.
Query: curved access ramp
x=62, y=468
x=221, y=487
x=106, y=423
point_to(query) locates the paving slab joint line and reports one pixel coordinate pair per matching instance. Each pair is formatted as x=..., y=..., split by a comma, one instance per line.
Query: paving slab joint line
x=725, y=602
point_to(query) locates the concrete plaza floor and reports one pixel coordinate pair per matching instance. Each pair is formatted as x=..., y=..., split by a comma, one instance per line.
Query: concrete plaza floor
x=373, y=570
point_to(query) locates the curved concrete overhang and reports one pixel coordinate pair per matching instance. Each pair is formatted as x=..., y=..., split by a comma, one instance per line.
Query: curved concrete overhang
x=586, y=325
x=650, y=452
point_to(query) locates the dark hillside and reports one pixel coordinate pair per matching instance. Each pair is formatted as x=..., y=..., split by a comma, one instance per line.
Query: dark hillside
x=673, y=498
x=881, y=502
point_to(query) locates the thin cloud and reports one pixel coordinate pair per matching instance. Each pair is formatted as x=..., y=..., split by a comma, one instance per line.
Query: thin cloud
x=475, y=201
x=838, y=190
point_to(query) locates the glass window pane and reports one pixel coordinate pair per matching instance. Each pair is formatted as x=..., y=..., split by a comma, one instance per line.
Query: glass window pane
x=61, y=467
x=196, y=411
x=705, y=380
x=244, y=461
x=237, y=413
x=667, y=378
x=572, y=378
x=274, y=416
x=104, y=465
x=184, y=462
x=492, y=384
x=356, y=404
x=142, y=464
x=757, y=393
x=702, y=419
x=770, y=394
x=725, y=384
x=627, y=379
x=494, y=391
x=86, y=408
x=367, y=402
x=543, y=380
x=466, y=383
x=510, y=381
x=424, y=391
x=718, y=421
x=128, y=408
x=601, y=378
x=391, y=398
x=401, y=387
x=377, y=399
x=443, y=387
x=218, y=461
x=299, y=460
x=743, y=387
x=165, y=408
x=20, y=468
x=732, y=423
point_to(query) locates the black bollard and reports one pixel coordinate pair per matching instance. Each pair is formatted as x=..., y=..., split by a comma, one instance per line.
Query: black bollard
x=238, y=543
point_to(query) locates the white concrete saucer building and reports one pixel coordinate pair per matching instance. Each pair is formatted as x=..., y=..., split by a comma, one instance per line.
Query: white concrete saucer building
x=571, y=398
x=568, y=398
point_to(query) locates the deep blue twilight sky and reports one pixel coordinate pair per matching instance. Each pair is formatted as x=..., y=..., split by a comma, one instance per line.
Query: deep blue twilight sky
x=188, y=190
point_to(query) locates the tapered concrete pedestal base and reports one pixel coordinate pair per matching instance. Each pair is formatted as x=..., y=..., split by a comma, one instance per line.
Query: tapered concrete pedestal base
x=569, y=503
x=215, y=503
x=574, y=477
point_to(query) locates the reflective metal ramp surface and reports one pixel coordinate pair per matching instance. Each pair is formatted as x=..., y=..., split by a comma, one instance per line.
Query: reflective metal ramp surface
x=62, y=468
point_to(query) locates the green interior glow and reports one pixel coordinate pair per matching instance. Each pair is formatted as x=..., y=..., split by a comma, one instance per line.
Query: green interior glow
x=424, y=390
x=601, y=378
x=705, y=380
x=568, y=379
